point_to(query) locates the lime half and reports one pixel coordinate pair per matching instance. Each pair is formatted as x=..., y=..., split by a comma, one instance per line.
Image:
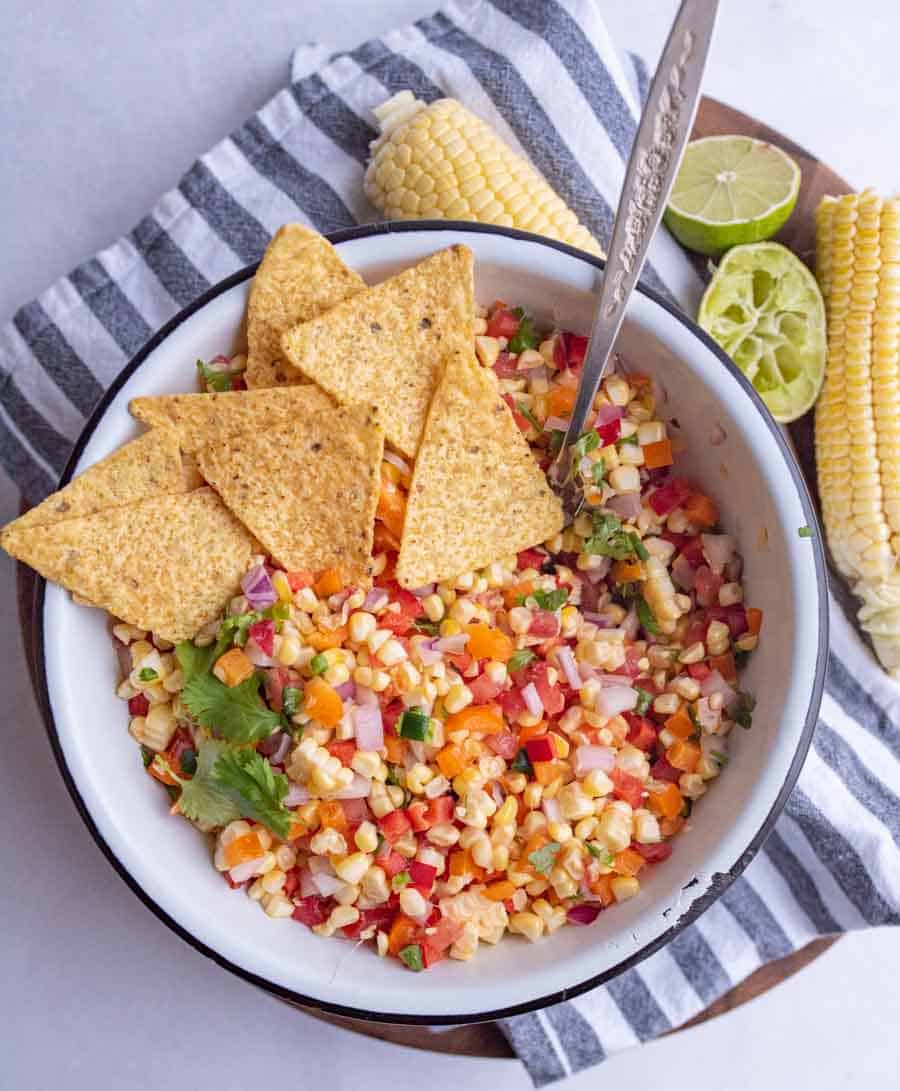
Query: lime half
x=731, y=190
x=765, y=309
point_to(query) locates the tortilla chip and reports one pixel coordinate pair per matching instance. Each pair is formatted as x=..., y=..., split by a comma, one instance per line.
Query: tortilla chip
x=307, y=488
x=169, y=564
x=477, y=494
x=147, y=466
x=199, y=419
x=386, y=346
x=299, y=277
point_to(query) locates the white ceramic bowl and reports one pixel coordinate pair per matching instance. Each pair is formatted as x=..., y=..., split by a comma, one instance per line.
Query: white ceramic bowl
x=763, y=501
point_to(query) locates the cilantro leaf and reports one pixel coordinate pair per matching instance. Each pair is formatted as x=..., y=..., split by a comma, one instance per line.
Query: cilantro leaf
x=202, y=800
x=645, y=616
x=235, y=712
x=525, y=336
x=255, y=788
x=609, y=539
x=519, y=660
x=644, y=701
x=743, y=711
x=218, y=380
x=542, y=859
x=550, y=600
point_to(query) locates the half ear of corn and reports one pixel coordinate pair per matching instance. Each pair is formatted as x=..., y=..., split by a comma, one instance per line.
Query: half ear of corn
x=858, y=414
x=439, y=161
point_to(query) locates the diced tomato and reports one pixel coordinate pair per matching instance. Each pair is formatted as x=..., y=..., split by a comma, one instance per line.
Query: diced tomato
x=669, y=496
x=698, y=671
x=391, y=713
x=291, y=882
x=641, y=732
x=262, y=634
x=706, y=586
x=530, y=558
x=540, y=749
x=312, y=910
x=422, y=875
x=484, y=690
x=502, y=323
x=299, y=580
x=522, y=423
x=512, y=703
x=627, y=787
x=506, y=745
x=441, y=935
x=416, y=813
x=662, y=770
x=138, y=705
x=505, y=365
x=543, y=623
x=654, y=854
x=394, y=825
x=735, y=617
x=440, y=810
x=609, y=432
x=392, y=864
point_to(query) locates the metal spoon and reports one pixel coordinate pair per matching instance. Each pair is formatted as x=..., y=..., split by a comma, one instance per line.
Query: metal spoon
x=655, y=157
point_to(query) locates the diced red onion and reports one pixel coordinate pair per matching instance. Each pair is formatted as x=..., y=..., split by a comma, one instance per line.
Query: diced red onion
x=631, y=625
x=611, y=700
x=715, y=683
x=368, y=726
x=683, y=574
x=245, y=871
x=532, y=699
x=566, y=659
x=328, y=884
x=608, y=413
x=555, y=424
x=423, y=592
x=257, y=586
x=256, y=655
x=376, y=599
x=594, y=757
x=583, y=913
x=366, y=696
x=346, y=690
x=627, y=506
x=395, y=460
x=551, y=810
x=296, y=794
x=718, y=550
x=358, y=788
x=452, y=645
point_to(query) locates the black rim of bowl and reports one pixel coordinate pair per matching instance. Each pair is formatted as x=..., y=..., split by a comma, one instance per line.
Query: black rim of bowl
x=721, y=880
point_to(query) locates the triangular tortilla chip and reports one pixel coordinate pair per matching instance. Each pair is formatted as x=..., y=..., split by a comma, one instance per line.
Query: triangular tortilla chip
x=477, y=494
x=169, y=564
x=386, y=346
x=147, y=466
x=299, y=277
x=307, y=489
x=199, y=419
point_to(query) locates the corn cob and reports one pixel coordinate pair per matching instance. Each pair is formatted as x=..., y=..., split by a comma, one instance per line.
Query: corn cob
x=858, y=414
x=439, y=161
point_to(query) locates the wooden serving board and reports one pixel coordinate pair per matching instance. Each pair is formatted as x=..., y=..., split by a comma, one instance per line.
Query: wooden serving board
x=485, y=1039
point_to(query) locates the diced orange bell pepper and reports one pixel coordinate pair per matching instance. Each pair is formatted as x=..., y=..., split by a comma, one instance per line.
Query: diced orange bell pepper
x=233, y=667
x=701, y=510
x=666, y=801
x=512, y=595
x=403, y=932
x=545, y=772
x=628, y=862
x=332, y=815
x=451, y=760
x=384, y=541
x=657, y=455
x=396, y=749
x=329, y=582
x=532, y=732
x=680, y=724
x=561, y=400
x=602, y=887
x=322, y=640
x=322, y=702
x=683, y=755
x=627, y=571
x=487, y=719
x=725, y=665
x=499, y=891
x=486, y=642
x=391, y=509
x=242, y=849
x=754, y=620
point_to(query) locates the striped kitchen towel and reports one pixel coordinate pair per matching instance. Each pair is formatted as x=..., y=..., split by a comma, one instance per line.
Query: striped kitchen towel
x=545, y=74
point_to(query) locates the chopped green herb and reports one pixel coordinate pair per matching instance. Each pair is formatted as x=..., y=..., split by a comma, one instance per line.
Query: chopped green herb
x=147, y=674
x=318, y=664
x=542, y=859
x=412, y=956
x=645, y=699
x=291, y=700
x=430, y=628
x=415, y=724
x=645, y=616
x=233, y=712
x=805, y=532
x=743, y=712
x=525, y=336
x=521, y=763
x=585, y=443
x=400, y=880
x=602, y=854
x=550, y=600
x=218, y=380
x=520, y=659
x=609, y=539
x=255, y=788
x=529, y=416
x=188, y=762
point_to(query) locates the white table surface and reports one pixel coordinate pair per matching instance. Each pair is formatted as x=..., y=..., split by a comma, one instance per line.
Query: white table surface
x=103, y=105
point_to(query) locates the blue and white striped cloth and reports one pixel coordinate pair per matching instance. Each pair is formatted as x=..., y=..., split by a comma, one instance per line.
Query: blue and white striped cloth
x=545, y=74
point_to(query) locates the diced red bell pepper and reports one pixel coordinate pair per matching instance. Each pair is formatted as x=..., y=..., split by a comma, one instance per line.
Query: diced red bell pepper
x=653, y=854
x=641, y=732
x=627, y=787
x=530, y=558
x=540, y=749
x=394, y=825
x=662, y=770
x=484, y=690
x=262, y=633
x=543, y=623
x=138, y=705
x=502, y=323
x=440, y=810
x=342, y=749
x=422, y=875
x=609, y=432
x=504, y=744
x=312, y=910
x=669, y=496
x=505, y=365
